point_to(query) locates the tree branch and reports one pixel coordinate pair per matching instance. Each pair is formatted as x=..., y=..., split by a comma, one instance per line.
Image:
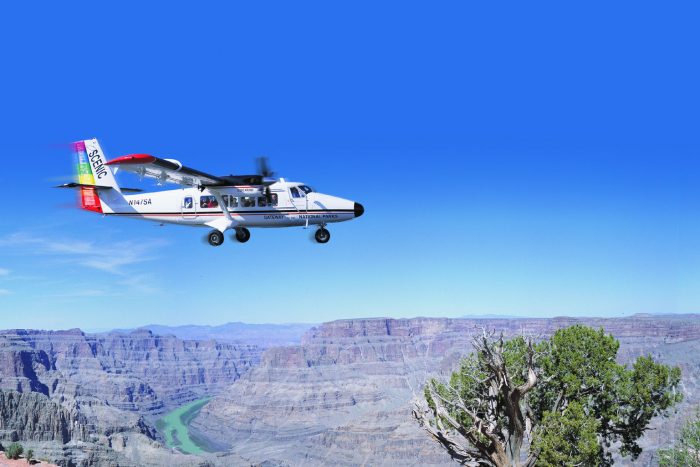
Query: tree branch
x=458, y=450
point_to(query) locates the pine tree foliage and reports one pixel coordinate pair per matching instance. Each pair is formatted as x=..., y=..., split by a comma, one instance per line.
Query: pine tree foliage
x=568, y=438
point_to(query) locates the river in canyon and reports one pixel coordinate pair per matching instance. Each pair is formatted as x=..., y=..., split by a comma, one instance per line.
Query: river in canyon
x=174, y=426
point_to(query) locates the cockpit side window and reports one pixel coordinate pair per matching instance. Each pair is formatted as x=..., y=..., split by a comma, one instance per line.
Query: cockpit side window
x=187, y=202
x=305, y=189
x=295, y=192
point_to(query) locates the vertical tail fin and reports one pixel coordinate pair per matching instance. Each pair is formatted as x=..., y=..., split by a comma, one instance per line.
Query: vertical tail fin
x=92, y=170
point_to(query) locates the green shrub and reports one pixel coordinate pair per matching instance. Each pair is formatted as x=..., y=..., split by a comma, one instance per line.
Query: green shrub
x=30, y=455
x=14, y=450
x=686, y=451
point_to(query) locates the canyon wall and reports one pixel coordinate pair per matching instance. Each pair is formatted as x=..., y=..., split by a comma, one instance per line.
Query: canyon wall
x=90, y=399
x=139, y=372
x=344, y=395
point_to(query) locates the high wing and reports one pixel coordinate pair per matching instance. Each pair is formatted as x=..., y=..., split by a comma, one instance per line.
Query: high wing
x=163, y=170
x=172, y=171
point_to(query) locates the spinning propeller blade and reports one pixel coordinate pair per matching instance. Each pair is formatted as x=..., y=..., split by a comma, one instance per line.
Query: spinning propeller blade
x=264, y=168
x=267, y=174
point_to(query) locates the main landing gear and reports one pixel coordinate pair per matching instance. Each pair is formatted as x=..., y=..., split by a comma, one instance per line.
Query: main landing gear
x=242, y=234
x=215, y=238
x=322, y=235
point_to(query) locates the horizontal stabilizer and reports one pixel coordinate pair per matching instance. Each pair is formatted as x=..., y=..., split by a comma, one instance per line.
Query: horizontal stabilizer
x=98, y=187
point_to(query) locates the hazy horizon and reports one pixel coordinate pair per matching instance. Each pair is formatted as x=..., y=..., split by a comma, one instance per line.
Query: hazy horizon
x=93, y=330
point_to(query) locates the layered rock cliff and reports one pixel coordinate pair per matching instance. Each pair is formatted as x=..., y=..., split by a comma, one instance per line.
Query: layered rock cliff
x=33, y=416
x=344, y=395
x=81, y=399
x=138, y=372
x=66, y=437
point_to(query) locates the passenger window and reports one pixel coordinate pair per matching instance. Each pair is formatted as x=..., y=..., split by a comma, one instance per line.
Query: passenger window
x=230, y=201
x=263, y=201
x=295, y=192
x=247, y=202
x=208, y=202
x=187, y=202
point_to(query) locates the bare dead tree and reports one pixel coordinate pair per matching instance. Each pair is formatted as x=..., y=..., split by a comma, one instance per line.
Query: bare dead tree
x=482, y=418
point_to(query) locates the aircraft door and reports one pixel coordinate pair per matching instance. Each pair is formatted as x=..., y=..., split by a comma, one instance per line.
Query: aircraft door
x=188, y=207
x=298, y=198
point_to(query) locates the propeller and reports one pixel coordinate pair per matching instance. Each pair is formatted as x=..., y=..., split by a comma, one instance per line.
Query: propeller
x=267, y=174
x=264, y=168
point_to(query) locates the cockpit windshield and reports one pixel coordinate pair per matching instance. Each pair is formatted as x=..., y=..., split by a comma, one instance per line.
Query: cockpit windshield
x=305, y=189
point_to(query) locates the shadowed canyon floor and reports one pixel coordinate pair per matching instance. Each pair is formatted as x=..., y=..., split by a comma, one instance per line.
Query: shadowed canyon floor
x=342, y=396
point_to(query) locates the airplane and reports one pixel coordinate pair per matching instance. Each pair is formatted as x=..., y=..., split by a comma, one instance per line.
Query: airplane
x=231, y=202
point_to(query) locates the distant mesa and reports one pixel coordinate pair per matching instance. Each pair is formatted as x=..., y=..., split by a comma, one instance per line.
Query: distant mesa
x=491, y=316
x=262, y=335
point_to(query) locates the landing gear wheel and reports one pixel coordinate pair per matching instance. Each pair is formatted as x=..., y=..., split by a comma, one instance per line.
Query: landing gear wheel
x=215, y=238
x=322, y=235
x=242, y=234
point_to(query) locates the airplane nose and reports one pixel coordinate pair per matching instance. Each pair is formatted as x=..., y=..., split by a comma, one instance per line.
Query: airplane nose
x=359, y=209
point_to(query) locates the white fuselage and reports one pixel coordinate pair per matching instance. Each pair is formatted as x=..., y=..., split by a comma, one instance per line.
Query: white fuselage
x=247, y=206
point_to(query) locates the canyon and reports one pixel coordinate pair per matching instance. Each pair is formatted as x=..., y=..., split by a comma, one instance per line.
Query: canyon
x=343, y=394
x=113, y=386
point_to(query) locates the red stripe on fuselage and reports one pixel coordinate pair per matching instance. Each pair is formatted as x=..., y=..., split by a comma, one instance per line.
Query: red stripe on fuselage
x=233, y=213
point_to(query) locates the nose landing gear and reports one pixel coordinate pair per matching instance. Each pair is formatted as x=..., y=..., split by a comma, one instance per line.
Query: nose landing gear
x=322, y=235
x=242, y=234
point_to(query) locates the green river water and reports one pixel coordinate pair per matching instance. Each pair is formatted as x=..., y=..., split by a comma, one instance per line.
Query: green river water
x=174, y=426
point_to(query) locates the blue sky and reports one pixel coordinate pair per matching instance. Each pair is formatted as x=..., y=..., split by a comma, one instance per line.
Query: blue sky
x=518, y=159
